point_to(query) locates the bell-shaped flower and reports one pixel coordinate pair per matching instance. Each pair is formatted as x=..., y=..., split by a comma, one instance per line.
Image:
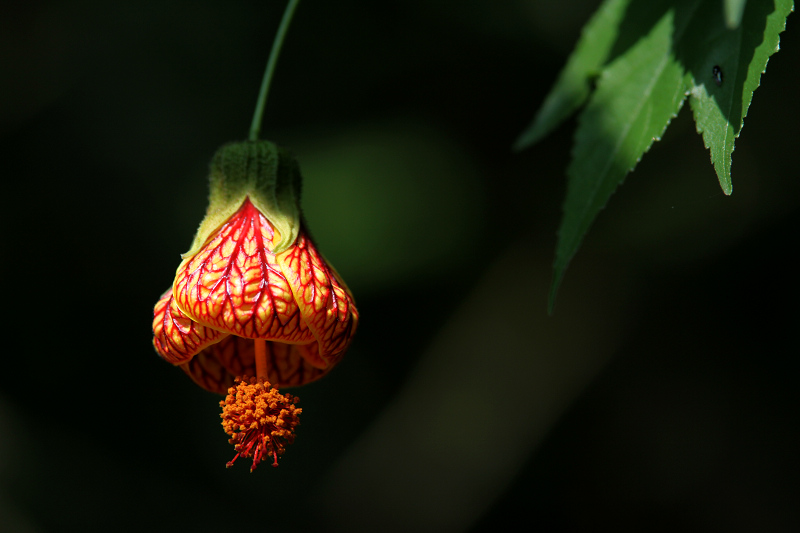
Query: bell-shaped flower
x=253, y=297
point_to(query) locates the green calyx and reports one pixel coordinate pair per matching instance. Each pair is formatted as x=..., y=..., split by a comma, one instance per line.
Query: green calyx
x=258, y=170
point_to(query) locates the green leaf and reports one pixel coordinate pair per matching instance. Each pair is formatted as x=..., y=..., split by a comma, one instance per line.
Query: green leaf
x=733, y=13
x=636, y=97
x=574, y=82
x=665, y=50
x=726, y=66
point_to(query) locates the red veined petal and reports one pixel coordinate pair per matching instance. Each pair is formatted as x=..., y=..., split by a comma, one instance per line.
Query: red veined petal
x=324, y=300
x=207, y=371
x=176, y=337
x=235, y=284
x=288, y=365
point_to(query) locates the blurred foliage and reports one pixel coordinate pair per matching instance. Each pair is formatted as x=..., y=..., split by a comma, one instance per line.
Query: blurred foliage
x=384, y=173
x=662, y=396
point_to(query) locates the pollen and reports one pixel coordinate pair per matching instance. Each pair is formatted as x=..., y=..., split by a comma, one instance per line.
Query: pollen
x=259, y=419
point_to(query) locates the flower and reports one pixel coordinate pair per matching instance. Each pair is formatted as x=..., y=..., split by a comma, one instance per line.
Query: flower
x=253, y=297
x=259, y=419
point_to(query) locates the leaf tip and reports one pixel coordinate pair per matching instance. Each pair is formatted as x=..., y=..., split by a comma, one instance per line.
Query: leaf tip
x=725, y=183
x=558, y=275
x=529, y=136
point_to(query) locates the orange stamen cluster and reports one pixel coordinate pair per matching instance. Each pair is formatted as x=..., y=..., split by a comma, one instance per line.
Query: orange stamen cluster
x=260, y=420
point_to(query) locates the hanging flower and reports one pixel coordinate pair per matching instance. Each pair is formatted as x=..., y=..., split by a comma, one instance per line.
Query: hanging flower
x=253, y=297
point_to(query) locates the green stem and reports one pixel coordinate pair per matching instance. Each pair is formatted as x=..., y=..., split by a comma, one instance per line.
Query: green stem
x=258, y=115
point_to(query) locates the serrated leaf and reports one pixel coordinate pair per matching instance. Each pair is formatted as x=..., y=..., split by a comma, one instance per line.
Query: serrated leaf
x=636, y=97
x=667, y=51
x=733, y=12
x=574, y=83
x=726, y=66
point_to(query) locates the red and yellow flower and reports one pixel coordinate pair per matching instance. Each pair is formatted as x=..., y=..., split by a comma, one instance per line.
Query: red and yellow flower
x=253, y=297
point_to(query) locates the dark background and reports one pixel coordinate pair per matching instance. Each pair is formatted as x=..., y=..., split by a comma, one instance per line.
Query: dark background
x=662, y=395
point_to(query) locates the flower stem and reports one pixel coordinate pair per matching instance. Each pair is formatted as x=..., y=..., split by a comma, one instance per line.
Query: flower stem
x=258, y=115
x=261, y=359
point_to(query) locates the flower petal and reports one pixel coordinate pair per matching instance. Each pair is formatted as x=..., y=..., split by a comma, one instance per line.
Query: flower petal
x=325, y=301
x=288, y=365
x=176, y=337
x=234, y=283
x=207, y=371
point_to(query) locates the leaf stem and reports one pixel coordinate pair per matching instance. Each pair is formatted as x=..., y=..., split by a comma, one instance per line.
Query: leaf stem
x=258, y=114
